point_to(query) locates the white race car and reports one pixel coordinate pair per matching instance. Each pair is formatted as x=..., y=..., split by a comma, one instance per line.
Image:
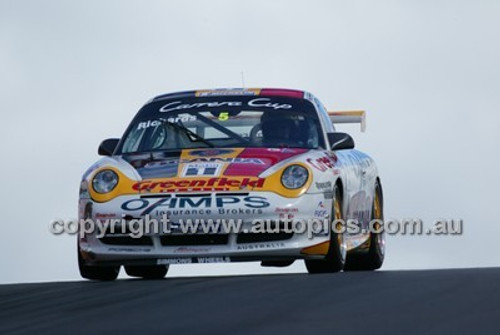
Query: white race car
x=268, y=161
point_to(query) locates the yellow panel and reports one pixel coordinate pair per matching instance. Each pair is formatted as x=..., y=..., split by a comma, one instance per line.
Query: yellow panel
x=318, y=249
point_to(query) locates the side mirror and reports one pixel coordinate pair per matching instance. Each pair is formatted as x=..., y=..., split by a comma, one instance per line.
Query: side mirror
x=107, y=147
x=339, y=141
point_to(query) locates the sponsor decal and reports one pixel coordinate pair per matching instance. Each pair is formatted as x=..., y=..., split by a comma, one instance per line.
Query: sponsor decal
x=240, y=211
x=258, y=103
x=169, y=261
x=201, y=169
x=236, y=91
x=205, y=212
x=178, y=105
x=321, y=210
x=176, y=212
x=211, y=152
x=256, y=246
x=324, y=186
x=156, y=123
x=147, y=124
x=202, y=204
x=233, y=160
x=221, y=183
x=322, y=164
x=213, y=259
x=286, y=212
x=266, y=102
x=191, y=250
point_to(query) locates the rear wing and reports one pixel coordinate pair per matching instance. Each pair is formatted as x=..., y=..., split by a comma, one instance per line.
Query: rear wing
x=357, y=116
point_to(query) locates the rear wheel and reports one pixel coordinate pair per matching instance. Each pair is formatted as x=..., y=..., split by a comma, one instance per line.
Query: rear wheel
x=374, y=258
x=336, y=256
x=147, y=272
x=96, y=272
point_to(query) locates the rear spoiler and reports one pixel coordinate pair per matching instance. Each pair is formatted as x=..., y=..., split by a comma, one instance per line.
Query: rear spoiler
x=358, y=116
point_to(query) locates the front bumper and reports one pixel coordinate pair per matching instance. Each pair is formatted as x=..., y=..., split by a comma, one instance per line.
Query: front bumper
x=175, y=248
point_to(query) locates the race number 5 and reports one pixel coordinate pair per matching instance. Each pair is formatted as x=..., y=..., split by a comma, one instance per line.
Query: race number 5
x=224, y=116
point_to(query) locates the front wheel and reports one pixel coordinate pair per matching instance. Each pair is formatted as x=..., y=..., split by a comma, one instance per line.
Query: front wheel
x=96, y=272
x=336, y=256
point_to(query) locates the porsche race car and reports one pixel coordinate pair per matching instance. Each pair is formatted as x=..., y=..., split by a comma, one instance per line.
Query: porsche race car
x=252, y=156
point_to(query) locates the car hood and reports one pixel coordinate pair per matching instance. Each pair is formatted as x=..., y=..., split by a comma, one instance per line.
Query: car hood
x=192, y=163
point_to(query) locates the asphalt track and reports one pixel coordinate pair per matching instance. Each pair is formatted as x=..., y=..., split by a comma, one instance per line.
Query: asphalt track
x=382, y=302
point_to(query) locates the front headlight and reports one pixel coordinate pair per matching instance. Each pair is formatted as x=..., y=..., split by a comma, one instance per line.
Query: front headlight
x=105, y=181
x=294, y=176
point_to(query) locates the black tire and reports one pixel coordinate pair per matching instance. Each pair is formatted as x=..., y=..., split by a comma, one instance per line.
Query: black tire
x=147, y=272
x=96, y=272
x=336, y=256
x=374, y=258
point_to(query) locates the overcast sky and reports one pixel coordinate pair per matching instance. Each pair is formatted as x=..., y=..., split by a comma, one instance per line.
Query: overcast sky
x=73, y=73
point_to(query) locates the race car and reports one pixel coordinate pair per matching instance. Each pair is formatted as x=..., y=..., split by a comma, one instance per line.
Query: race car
x=267, y=158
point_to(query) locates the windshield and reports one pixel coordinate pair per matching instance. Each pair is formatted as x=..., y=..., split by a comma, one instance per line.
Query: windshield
x=187, y=123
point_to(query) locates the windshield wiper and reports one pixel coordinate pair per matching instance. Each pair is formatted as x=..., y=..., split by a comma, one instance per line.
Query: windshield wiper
x=222, y=129
x=193, y=136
